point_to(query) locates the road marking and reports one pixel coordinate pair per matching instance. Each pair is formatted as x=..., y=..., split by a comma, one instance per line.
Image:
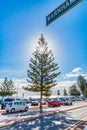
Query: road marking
x=72, y=127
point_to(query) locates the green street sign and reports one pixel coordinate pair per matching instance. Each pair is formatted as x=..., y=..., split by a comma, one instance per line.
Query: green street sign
x=60, y=10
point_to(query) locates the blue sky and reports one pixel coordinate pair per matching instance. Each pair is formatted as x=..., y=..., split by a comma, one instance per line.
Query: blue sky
x=21, y=24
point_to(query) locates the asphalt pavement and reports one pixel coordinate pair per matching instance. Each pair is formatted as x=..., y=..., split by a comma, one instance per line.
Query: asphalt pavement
x=34, y=113
x=82, y=125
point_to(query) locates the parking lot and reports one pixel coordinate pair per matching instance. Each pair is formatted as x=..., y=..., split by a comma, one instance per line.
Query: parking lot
x=33, y=112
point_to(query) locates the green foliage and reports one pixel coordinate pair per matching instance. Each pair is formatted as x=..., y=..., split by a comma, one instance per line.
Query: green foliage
x=47, y=93
x=7, y=88
x=73, y=91
x=65, y=92
x=58, y=92
x=81, y=83
x=85, y=91
x=41, y=73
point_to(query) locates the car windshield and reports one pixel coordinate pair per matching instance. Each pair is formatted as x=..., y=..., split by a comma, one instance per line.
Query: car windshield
x=8, y=100
x=34, y=99
x=9, y=103
x=68, y=99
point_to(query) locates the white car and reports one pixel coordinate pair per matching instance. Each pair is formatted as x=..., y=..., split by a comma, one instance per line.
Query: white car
x=16, y=106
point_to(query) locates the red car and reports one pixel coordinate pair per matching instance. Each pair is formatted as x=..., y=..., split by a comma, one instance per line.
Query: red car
x=54, y=103
x=43, y=102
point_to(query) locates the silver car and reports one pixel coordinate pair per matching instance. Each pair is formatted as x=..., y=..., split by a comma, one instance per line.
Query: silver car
x=16, y=106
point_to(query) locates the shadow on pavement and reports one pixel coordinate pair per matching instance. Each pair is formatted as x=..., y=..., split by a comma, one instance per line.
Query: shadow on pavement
x=59, y=121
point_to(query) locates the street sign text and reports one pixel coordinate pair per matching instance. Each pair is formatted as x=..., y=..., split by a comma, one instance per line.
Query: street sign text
x=60, y=10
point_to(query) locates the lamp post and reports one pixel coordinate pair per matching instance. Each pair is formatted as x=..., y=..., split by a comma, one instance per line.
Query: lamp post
x=17, y=91
x=22, y=95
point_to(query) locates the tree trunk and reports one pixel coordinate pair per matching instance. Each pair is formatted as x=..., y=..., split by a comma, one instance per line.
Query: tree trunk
x=41, y=98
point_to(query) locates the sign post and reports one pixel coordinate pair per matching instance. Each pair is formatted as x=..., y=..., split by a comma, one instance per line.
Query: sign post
x=44, y=79
x=60, y=10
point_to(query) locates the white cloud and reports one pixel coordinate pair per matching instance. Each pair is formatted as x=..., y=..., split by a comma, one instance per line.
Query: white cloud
x=12, y=72
x=66, y=83
x=84, y=75
x=1, y=80
x=17, y=82
x=71, y=75
x=3, y=71
x=20, y=82
x=77, y=70
x=61, y=85
x=75, y=73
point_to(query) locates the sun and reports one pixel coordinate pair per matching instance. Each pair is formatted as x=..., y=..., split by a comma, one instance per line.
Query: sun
x=32, y=42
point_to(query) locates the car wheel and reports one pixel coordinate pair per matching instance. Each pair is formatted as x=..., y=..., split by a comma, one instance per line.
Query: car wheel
x=26, y=109
x=7, y=111
x=12, y=110
x=2, y=107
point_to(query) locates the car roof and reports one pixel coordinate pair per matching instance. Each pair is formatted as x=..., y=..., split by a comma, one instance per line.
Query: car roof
x=19, y=101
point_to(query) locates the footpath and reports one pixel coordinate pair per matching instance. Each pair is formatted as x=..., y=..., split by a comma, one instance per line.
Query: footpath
x=19, y=117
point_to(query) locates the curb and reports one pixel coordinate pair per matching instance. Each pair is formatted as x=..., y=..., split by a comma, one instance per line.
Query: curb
x=74, y=108
x=29, y=118
x=37, y=116
x=77, y=124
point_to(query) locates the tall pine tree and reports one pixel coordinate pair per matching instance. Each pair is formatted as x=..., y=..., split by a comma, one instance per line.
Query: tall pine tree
x=7, y=88
x=81, y=82
x=65, y=92
x=73, y=91
x=58, y=92
x=41, y=73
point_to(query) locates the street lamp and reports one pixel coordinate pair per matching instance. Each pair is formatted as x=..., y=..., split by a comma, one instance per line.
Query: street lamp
x=17, y=91
x=22, y=95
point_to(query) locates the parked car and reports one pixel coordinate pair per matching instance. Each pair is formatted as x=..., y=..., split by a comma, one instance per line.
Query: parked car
x=26, y=100
x=54, y=103
x=43, y=102
x=67, y=101
x=78, y=99
x=17, y=99
x=5, y=102
x=0, y=101
x=34, y=102
x=62, y=102
x=16, y=106
x=73, y=99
